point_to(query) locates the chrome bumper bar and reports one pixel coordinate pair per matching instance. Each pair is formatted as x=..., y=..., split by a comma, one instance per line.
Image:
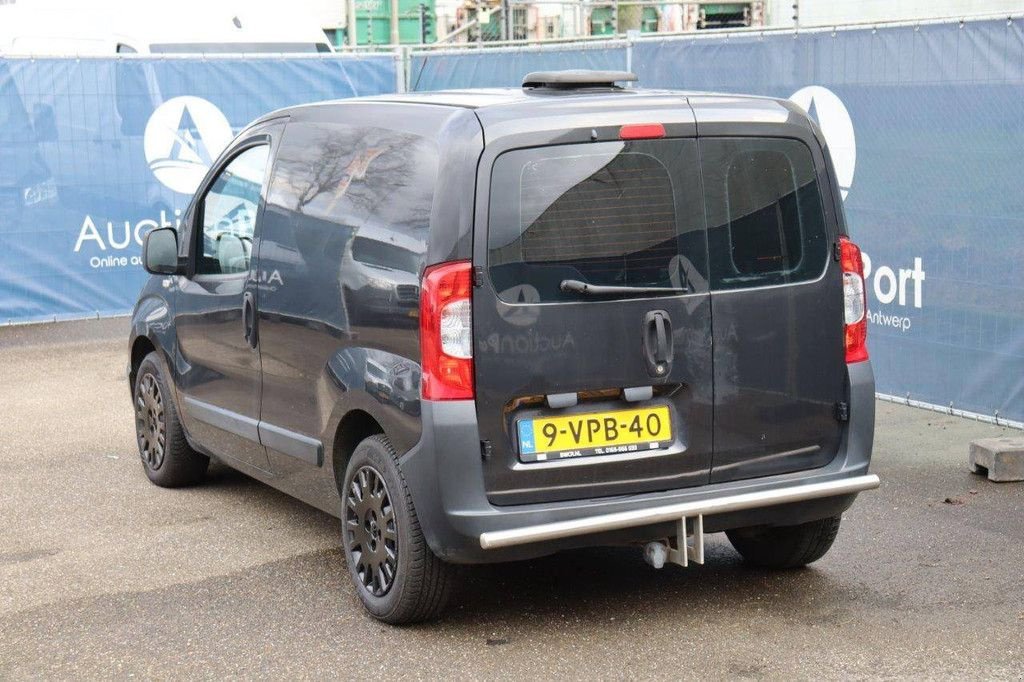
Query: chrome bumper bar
x=674, y=512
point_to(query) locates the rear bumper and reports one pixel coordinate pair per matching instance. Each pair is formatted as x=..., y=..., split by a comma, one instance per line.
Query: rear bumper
x=673, y=512
x=445, y=476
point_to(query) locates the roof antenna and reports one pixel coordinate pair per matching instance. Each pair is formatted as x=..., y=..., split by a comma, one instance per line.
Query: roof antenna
x=236, y=21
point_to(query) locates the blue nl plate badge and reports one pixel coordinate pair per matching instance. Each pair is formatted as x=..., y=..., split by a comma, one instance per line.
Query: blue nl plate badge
x=526, y=444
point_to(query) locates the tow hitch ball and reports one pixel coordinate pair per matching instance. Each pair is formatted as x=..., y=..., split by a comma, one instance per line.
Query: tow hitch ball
x=689, y=546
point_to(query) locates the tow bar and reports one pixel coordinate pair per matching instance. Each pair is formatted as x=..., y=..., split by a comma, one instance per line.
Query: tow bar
x=689, y=546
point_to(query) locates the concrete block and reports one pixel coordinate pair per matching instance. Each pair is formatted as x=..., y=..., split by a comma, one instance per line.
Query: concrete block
x=1001, y=459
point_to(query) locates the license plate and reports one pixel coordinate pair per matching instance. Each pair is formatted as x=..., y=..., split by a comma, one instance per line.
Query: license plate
x=594, y=433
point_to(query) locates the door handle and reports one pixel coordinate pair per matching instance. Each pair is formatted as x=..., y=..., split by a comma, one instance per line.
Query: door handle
x=249, y=318
x=658, y=346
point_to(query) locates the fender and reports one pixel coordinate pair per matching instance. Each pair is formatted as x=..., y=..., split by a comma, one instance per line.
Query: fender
x=153, y=318
x=346, y=388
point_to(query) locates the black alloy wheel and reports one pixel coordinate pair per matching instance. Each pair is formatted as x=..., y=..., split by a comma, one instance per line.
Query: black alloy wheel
x=149, y=421
x=372, y=531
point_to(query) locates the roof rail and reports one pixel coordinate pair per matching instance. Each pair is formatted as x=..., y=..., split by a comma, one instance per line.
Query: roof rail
x=577, y=78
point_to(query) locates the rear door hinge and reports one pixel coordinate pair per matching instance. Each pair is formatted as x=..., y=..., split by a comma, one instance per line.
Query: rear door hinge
x=837, y=252
x=478, y=276
x=842, y=411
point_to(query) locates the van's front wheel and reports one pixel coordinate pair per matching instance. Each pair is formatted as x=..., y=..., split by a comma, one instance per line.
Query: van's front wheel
x=785, y=546
x=168, y=459
x=397, y=577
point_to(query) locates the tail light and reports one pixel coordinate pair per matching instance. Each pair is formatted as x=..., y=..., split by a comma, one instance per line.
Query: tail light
x=446, y=331
x=855, y=307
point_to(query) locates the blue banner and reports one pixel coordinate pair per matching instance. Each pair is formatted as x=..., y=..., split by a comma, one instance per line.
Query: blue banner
x=96, y=152
x=926, y=127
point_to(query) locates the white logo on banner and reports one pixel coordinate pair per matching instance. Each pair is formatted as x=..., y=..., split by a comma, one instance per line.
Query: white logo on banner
x=828, y=110
x=183, y=137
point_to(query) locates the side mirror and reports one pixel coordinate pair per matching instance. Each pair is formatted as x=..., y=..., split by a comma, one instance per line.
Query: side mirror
x=160, y=252
x=44, y=124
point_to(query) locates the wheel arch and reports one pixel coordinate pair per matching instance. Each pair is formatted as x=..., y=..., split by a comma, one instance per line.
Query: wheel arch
x=152, y=328
x=353, y=428
x=141, y=347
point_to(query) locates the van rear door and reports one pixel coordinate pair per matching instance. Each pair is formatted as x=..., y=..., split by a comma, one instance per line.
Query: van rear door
x=591, y=314
x=777, y=304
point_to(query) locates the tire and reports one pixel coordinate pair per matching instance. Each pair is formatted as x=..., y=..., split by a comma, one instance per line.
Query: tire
x=785, y=546
x=171, y=463
x=397, y=577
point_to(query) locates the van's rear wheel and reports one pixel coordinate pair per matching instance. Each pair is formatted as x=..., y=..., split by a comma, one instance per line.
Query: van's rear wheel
x=785, y=546
x=166, y=456
x=397, y=577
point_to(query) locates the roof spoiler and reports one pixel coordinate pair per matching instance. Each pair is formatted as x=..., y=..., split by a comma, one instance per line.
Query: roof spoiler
x=571, y=79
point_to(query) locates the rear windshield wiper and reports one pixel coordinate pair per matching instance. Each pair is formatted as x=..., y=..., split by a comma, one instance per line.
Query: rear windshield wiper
x=578, y=287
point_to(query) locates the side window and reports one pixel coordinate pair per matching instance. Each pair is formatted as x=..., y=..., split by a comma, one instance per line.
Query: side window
x=228, y=215
x=765, y=220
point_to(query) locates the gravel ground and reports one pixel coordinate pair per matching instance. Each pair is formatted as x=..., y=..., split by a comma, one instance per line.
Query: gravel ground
x=104, y=575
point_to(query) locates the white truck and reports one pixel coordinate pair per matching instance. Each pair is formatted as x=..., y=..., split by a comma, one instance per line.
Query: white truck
x=109, y=27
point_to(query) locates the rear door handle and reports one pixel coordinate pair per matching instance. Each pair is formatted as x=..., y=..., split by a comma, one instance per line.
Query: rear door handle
x=249, y=318
x=657, y=342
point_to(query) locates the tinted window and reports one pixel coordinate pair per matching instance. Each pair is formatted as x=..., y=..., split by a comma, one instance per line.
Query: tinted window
x=765, y=219
x=614, y=213
x=228, y=214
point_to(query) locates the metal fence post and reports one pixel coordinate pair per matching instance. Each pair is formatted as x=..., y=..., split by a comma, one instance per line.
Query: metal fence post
x=479, y=23
x=396, y=37
x=403, y=64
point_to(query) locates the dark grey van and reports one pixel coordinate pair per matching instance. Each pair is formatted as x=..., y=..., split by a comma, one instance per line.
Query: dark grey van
x=490, y=325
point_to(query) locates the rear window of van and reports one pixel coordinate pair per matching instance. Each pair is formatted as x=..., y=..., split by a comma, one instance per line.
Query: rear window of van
x=765, y=220
x=633, y=214
x=613, y=213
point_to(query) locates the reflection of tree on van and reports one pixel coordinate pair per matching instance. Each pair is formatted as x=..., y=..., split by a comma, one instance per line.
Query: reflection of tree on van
x=370, y=188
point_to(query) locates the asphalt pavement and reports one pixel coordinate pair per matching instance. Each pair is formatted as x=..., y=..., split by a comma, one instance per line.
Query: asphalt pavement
x=103, y=575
